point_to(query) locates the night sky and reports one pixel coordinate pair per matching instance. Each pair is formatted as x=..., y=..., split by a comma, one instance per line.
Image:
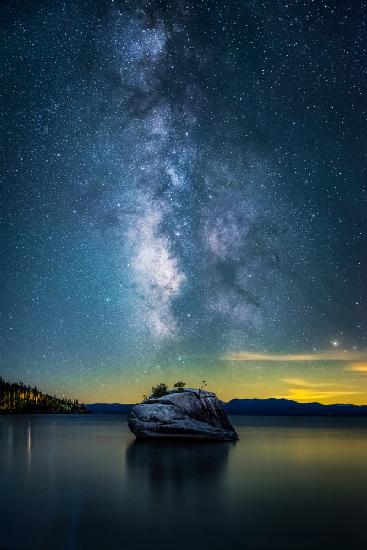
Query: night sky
x=184, y=197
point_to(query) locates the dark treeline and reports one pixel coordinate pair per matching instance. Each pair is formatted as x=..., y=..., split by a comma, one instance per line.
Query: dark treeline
x=20, y=398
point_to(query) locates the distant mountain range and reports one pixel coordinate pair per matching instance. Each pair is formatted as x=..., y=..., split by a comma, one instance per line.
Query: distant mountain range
x=260, y=407
x=286, y=407
x=109, y=408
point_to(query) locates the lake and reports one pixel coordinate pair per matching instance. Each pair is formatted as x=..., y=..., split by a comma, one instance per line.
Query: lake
x=82, y=482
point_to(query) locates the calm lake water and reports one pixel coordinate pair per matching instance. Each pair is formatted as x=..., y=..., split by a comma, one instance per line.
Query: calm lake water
x=82, y=482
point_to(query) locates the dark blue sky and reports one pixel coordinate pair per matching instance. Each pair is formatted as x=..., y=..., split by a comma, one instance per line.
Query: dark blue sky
x=182, y=181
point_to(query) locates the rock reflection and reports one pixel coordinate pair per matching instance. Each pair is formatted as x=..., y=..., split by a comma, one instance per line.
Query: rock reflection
x=174, y=466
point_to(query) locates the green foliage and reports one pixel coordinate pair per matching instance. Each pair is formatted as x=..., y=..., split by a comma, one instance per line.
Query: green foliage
x=179, y=385
x=160, y=390
x=20, y=398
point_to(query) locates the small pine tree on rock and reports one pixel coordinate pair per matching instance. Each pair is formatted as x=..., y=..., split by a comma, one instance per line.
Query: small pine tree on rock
x=160, y=390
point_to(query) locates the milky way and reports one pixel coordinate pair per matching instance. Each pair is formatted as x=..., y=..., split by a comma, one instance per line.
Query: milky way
x=183, y=182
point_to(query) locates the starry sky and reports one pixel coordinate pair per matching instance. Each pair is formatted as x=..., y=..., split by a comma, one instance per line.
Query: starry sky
x=184, y=197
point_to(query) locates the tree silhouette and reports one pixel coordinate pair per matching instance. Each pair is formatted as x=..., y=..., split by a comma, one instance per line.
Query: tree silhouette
x=21, y=398
x=160, y=390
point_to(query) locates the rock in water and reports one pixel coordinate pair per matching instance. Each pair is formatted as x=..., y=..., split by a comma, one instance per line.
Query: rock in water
x=187, y=414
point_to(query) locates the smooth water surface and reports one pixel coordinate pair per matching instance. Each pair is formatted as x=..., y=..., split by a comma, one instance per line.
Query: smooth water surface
x=82, y=482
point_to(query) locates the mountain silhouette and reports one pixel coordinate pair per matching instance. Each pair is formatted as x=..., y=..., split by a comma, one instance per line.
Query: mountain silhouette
x=260, y=407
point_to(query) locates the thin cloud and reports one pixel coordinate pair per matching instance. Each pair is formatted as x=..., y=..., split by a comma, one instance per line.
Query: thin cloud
x=361, y=368
x=304, y=390
x=338, y=355
x=307, y=395
x=303, y=383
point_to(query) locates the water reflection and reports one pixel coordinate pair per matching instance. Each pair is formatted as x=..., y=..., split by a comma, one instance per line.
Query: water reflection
x=288, y=483
x=175, y=486
x=29, y=447
x=177, y=467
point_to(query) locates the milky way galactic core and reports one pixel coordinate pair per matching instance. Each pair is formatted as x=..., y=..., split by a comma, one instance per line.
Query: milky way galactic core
x=185, y=197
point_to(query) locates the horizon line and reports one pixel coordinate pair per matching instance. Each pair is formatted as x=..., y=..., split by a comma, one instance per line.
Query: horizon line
x=249, y=399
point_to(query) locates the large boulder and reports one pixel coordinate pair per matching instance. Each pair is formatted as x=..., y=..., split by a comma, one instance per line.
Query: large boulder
x=187, y=414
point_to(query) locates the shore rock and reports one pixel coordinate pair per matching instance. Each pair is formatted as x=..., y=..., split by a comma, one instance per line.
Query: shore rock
x=187, y=414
